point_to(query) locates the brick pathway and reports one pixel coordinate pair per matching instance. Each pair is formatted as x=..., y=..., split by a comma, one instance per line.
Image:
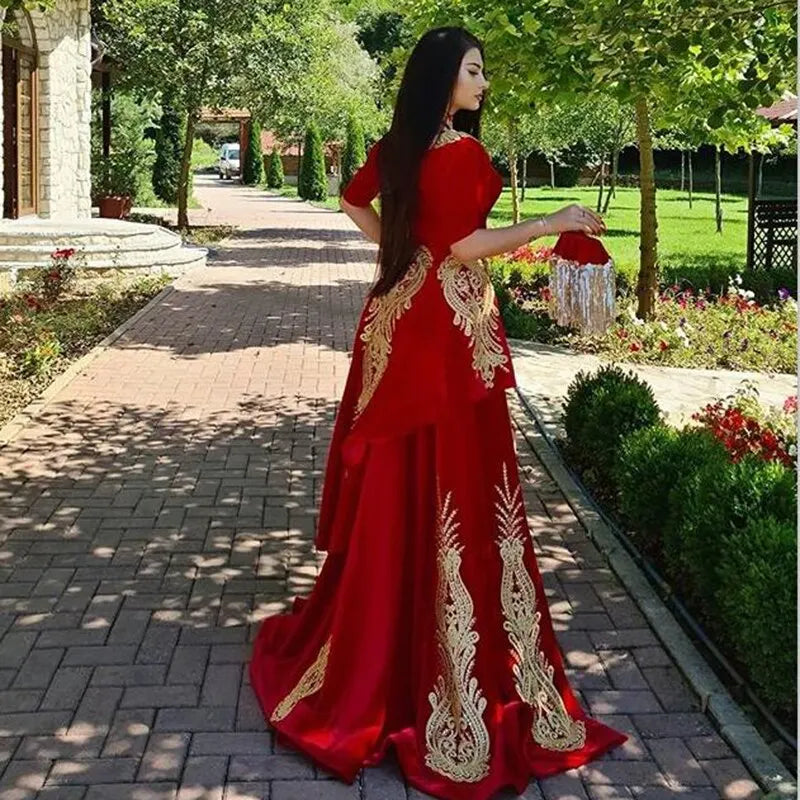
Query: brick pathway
x=164, y=502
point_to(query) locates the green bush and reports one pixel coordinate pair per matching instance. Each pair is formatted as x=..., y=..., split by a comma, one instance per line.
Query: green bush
x=757, y=601
x=169, y=145
x=253, y=167
x=275, y=170
x=718, y=499
x=313, y=183
x=599, y=411
x=354, y=151
x=650, y=463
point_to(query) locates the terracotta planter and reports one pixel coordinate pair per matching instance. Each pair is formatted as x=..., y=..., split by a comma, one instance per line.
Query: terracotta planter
x=115, y=206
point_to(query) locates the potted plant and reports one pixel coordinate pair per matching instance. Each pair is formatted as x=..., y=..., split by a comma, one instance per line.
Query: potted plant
x=116, y=179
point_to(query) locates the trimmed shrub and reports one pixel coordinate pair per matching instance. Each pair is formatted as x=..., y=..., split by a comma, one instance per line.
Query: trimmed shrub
x=275, y=170
x=313, y=183
x=757, y=601
x=354, y=151
x=253, y=167
x=712, y=503
x=600, y=410
x=650, y=463
x=169, y=146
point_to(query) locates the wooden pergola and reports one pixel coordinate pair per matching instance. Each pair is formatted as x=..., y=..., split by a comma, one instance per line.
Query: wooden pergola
x=771, y=221
x=238, y=115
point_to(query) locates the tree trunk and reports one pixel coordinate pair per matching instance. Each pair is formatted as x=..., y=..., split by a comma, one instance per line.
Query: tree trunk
x=647, y=282
x=718, y=187
x=602, y=183
x=552, y=175
x=612, y=189
x=512, y=168
x=683, y=167
x=524, y=175
x=691, y=176
x=186, y=163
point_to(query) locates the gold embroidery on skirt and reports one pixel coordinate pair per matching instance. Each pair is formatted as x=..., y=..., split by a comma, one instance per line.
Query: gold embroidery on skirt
x=456, y=736
x=378, y=328
x=469, y=292
x=553, y=727
x=309, y=683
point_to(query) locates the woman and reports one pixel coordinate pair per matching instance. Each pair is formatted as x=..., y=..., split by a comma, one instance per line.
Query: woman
x=428, y=626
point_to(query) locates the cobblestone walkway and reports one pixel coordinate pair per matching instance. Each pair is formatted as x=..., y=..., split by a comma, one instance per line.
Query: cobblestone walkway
x=164, y=502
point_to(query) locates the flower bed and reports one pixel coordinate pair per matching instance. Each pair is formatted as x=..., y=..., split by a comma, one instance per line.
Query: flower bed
x=690, y=329
x=46, y=324
x=712, y=505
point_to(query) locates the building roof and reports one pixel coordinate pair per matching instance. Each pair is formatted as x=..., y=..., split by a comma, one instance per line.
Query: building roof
x=784, y=110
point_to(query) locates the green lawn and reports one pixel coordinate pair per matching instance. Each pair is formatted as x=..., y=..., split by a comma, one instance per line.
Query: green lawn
x=331, y=202
x=687, y=237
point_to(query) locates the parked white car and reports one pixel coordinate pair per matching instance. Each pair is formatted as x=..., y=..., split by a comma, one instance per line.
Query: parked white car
x=228, y=164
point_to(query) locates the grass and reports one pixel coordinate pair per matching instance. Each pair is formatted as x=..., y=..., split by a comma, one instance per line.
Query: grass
x=331, y=203
x=687, y=237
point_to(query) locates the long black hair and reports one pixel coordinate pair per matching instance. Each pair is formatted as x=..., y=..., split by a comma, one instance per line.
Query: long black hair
x=425, y=91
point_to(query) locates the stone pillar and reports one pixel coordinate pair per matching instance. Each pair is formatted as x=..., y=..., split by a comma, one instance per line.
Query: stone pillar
x=63, y=37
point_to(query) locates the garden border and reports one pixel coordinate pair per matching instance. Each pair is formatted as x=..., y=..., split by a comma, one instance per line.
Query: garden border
x=16, y=425
x=771, y=775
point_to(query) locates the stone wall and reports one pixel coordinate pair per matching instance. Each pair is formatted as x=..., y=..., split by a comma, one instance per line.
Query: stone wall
x=63, y=39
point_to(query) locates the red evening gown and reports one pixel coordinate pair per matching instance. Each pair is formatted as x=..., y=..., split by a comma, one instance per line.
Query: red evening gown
x=428, y=626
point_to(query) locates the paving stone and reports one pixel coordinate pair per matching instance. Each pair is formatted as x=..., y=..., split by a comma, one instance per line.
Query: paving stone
x=91, y=771
x=163, y=759
x=66, y=688
x=132, y=791
x=677, y=762
x=269, y=767
x=300, y=790
x=195, y=719
x=731, y=779
x=242, y=744
x=203, y=778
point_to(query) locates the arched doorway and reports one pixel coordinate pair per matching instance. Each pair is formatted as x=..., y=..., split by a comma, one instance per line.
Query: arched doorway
x=20, y=115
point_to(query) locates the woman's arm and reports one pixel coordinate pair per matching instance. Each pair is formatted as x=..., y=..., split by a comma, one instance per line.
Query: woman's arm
x=365, y=217
x=483, y=242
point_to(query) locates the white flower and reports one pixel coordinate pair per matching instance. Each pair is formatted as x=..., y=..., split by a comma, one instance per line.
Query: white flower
x=748, y=294
x=792, y=450
x=663, y=325
x=738, y=279
x=681, y=333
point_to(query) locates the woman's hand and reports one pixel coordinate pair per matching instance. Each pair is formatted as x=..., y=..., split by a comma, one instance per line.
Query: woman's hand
x=575, y=217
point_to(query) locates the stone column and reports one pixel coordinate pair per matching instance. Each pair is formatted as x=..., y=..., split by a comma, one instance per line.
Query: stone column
x=63, y=37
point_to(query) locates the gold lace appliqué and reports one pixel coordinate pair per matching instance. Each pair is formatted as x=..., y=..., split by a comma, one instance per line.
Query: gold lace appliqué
x=469, y=292
x=382, y=313
x=456, y=736
x=447, y=136
x=309, y=683
x=553, y=728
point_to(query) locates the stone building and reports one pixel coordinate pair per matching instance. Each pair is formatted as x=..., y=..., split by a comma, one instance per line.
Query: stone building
x=46, y=176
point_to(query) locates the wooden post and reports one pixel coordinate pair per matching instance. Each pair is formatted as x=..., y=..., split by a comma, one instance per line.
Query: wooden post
x=751, y=211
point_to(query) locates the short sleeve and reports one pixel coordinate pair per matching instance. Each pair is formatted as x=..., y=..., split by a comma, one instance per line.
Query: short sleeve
x=485, y=182
x=364, y=186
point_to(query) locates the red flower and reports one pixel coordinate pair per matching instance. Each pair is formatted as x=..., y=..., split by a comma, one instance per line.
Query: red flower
x=635, y=347
x=64, y=253
x=790, y=404
x=662, y=345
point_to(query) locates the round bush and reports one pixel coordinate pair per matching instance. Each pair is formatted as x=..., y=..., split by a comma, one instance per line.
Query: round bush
x=720, y=498
x=757, y=601
x=599, y=411
x=644, y=471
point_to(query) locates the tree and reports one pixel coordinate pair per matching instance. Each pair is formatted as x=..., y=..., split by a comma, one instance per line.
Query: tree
x=253, y=169
x=651, y=56
x=275, y=170
x=167, y=166
x=354, y=151
x=313, y=180
x=197, y=51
